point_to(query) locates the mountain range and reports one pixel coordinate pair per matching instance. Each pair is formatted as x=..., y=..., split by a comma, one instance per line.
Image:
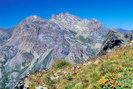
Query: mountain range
x=36, y=43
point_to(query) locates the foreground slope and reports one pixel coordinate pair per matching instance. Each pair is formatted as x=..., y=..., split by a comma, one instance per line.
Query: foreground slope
x=111, y=71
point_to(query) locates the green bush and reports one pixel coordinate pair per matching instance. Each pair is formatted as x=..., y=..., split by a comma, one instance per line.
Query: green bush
x=69, y=77
x=58, y=64
x=69, y=86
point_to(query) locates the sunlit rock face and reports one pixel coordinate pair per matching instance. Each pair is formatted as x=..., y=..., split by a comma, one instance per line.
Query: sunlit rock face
x=36, y=42
x=81, y=26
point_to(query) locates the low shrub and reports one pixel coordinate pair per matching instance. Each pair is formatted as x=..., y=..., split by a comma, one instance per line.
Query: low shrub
x=69, y=86
x=58, y=64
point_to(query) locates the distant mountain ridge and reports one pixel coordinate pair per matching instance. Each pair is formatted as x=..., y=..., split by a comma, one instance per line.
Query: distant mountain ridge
x=122, y=30
x=127, y=33
x=9, y=30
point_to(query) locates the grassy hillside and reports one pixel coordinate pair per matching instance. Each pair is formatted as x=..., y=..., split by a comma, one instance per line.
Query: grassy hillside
x=111, y=71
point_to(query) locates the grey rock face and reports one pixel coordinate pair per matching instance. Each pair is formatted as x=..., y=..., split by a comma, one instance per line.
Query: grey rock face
x=113, y=39
x=81, y=26
x=35, y=43
x=127, y=33
x=4, y=36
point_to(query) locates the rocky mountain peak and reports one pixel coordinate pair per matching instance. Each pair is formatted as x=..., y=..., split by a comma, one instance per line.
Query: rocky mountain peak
x=66, y=17
x=29, y=23
x=94, y=20
x=33, y=19
x=81, y=26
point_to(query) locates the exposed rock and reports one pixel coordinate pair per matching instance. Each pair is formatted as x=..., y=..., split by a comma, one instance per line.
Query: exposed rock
x=41, y=87
x=113, y=39
x=35, y=43
x=129, y=35
x=97, y=62
x=54, y=78
x=4, y=36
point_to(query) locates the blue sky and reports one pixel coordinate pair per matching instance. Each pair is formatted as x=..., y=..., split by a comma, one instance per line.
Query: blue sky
x=112, y=13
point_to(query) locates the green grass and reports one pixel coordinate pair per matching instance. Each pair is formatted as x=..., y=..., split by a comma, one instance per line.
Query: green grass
x=116, y=67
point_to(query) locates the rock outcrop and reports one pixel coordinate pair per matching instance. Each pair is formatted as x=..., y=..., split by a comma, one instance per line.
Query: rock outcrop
x=129, y=35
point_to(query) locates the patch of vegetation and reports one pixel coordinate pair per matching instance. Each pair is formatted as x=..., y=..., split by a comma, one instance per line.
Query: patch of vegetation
x=114, y=81
x=58, y=64
x=69, y=86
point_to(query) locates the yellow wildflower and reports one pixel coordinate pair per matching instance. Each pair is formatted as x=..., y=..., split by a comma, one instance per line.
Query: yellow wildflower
x=103, y=80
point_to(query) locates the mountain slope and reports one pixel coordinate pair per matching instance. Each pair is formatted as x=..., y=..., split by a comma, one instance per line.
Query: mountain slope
x=113, y=70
